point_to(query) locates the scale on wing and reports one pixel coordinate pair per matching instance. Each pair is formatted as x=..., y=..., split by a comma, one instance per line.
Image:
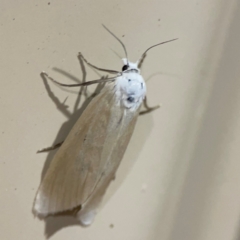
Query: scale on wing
x=87, y=161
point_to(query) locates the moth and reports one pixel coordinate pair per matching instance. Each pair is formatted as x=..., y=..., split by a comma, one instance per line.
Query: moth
x=86, y=162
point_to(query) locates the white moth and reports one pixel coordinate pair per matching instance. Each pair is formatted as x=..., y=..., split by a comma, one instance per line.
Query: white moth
x=86, y=162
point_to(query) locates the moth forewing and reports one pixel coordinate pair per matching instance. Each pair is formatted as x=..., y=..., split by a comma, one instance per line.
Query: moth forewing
x=87, y=161
x=114, y=151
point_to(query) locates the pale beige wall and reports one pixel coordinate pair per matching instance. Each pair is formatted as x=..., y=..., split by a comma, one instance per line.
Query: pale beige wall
x=184, y=184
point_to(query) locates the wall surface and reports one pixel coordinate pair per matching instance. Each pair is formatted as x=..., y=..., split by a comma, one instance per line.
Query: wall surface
x=179, y=179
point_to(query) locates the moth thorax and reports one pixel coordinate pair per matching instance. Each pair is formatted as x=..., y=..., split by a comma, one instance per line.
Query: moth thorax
x=131, y=89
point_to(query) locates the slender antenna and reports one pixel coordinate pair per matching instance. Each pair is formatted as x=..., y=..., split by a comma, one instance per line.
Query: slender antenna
x=145, y=53
x=118, y=41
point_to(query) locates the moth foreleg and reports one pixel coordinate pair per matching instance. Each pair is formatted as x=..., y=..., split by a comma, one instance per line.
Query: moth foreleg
x=50, y=148
x=148, y=109
x=80, y=84
x=95, y=67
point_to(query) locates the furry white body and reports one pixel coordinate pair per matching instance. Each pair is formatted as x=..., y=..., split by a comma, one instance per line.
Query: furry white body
x=131, y=88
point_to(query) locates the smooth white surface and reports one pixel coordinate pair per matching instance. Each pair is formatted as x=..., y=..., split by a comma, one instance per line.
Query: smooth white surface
x=186, y=153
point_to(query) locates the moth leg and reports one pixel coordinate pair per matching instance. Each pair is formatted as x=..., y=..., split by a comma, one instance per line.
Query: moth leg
x=97, y=68
x=148, y=109
x=79, y=84
x=50, y=148
x=59, y=105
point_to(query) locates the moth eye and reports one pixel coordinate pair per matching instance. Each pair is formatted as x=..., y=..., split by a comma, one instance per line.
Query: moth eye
x=129, y=80
x=125, y=67
x=130, y=99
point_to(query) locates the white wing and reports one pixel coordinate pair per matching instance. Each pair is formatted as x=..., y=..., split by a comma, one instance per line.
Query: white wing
x=89, y=157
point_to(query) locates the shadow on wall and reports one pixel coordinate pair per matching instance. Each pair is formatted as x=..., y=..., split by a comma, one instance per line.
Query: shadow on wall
x=142, y=130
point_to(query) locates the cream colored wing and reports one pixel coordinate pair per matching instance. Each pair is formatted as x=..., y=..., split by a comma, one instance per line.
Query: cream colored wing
x=89, y=157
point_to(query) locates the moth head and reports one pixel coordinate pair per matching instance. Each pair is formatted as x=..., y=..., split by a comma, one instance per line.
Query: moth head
x=129, y=66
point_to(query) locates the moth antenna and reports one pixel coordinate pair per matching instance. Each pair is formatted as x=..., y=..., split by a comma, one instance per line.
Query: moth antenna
x=125, y=50
x=140, y=61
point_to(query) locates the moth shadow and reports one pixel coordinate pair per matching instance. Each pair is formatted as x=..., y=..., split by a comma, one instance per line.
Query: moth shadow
x=143, y=128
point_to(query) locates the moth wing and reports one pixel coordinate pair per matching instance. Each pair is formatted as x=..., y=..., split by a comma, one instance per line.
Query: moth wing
x=88, y=158
x=116, y=151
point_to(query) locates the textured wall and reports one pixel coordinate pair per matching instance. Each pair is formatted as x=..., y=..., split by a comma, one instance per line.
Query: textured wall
x=179, y=179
